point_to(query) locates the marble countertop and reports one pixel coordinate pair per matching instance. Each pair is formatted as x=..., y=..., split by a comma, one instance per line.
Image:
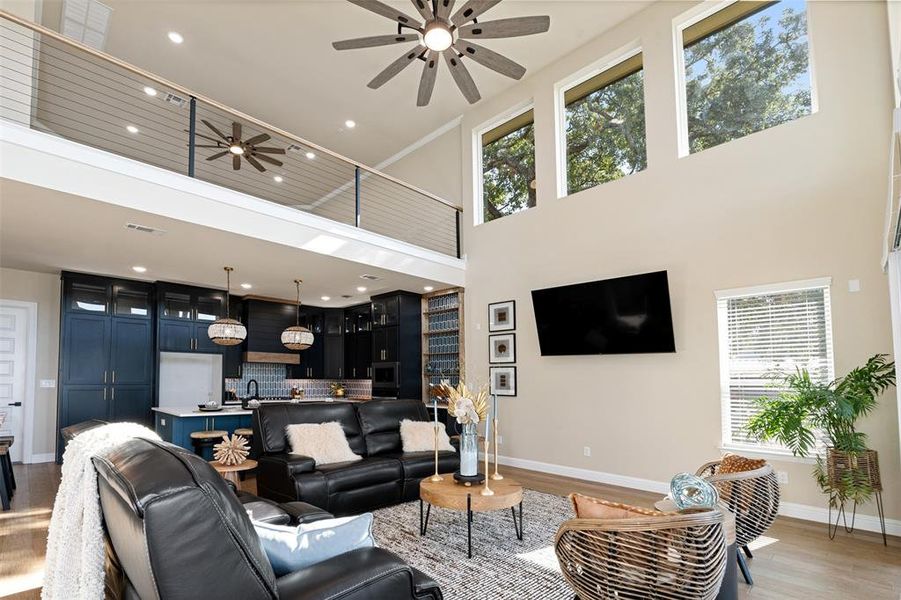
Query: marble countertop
x=235, y=409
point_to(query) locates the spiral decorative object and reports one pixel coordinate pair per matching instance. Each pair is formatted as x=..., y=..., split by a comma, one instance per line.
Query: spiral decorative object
x=691, y=491
x=231, y=451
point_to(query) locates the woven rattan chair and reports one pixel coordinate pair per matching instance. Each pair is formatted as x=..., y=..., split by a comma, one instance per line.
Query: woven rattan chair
x=680, y=556
x=753, y=497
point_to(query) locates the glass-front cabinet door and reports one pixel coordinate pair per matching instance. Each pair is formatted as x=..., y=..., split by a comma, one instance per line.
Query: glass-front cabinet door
x=210, y=306
x=176, y=305
x=128, y=302
x=89, y=297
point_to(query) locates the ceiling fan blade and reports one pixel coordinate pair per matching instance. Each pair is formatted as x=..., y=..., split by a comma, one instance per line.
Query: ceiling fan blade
x=218, y=155
x=236, y=162
x=427, y=81
x=491, y=59
x=255, y=164
x=461, y=76
x=268, y=149
x=207, y=146
x=257, y=139
x=375, y=40
x=200, y=135
x=236, y=131
x=380, y=8
x=396, y=67
x=215, y=130
x=444, y=8
x=472, y=10
x=268, y=159
x=504, y=28
x=424, y=7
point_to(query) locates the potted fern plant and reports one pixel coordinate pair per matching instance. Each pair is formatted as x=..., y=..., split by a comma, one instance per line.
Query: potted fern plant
x=806, y=409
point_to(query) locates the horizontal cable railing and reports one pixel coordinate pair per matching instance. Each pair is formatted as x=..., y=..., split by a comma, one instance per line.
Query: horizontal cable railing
x=59, y=86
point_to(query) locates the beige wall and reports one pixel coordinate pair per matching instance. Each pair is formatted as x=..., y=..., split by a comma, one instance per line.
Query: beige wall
x=436, y=168
x=44, y=289
x=799, y=201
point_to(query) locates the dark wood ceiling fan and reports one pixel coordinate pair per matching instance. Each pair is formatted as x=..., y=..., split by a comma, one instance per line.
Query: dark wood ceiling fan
x=449, y=36
x=238, y=148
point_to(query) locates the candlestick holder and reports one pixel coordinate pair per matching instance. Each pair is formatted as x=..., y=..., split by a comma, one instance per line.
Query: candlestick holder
x=486, y=491
x=496, y=476
x=436, y=477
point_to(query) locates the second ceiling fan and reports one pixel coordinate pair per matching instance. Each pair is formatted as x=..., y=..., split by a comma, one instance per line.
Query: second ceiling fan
x=448, y=35
x=234, y=145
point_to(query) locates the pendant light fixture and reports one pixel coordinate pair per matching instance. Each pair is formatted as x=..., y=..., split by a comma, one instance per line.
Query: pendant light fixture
x=297, y=337
x=227, y=331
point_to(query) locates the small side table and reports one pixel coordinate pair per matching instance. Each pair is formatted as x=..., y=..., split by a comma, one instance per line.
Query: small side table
x=230, y=472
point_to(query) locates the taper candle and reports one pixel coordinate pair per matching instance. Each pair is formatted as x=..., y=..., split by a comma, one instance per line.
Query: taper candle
x=488, y=426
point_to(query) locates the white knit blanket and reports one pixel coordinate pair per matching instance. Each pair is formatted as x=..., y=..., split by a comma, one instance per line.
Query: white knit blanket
x=75, y=554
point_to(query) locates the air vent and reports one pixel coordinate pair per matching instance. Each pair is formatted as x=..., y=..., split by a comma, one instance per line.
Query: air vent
x=346, y=296
x=370, y=277
x=173, y=99
x=144, y=229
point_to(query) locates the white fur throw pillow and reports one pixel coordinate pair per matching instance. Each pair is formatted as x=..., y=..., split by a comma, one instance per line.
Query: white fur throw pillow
x=419, y=436
x=323, y=442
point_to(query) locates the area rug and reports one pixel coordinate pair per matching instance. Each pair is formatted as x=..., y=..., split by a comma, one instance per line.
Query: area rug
x=501, y=566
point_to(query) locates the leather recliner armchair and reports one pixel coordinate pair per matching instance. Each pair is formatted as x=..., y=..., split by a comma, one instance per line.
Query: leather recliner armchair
x=177, y=531
x=386, y=475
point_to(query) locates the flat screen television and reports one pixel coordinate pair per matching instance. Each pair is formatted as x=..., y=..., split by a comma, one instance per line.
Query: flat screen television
x=625, y=315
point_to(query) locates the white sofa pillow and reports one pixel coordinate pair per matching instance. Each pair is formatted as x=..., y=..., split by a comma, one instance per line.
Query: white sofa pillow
x=419, y=436
x=292, y=548
x=323, y=442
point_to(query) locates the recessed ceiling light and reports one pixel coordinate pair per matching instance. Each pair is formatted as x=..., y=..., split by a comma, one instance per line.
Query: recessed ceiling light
x=139, y=269
x=310, y=155
x=326, y=298
x=361, y=289
x=149, y=91
x=278, y=179
x=350, y=124
x=246, y=286
x=175, y=37
x=428, y=288
x=131, y=128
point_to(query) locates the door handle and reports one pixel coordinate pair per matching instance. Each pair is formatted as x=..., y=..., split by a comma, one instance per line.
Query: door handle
x=14, y=404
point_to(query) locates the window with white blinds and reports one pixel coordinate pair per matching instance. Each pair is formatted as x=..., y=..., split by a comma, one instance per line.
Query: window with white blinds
x=765, y=331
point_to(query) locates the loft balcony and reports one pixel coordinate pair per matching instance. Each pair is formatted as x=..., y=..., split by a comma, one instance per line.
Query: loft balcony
x=57, y=86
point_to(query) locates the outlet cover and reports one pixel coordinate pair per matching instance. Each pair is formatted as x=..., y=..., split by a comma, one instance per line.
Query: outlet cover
x=782, y=477
x=586, y=450
x=163, y=422
x=854, y=285
x=48, y=383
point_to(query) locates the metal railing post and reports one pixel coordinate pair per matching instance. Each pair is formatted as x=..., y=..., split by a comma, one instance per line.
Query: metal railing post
x=191, y=135
x=357, y=194
x=459, y=247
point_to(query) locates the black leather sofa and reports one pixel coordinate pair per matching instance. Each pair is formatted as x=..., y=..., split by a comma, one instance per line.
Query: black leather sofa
x=177, y=531
x=385, y=476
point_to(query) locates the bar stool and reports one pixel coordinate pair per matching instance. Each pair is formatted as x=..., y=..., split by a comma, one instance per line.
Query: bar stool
x=203, y=441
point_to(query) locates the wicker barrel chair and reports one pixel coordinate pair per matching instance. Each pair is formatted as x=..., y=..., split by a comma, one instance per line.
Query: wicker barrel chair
x=753, y=497
x=676, y=556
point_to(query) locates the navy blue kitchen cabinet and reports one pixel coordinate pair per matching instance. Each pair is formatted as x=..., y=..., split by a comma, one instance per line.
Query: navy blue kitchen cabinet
x=185, y=314
x=106, y=363
x=178, y=430
x=176, y=336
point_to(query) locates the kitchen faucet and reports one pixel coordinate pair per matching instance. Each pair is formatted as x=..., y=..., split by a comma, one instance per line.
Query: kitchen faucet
x=256, y=388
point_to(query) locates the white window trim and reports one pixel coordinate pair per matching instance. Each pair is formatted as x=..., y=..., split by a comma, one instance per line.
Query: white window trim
x=610, y=60
x=686, y=20
x=478, y=212
x=723, y=341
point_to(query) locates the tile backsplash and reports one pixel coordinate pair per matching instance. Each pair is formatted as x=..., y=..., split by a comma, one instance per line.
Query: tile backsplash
x=273, y=383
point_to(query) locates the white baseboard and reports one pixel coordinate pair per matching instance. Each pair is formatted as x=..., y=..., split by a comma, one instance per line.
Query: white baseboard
x=42, y=458
x=818, y=514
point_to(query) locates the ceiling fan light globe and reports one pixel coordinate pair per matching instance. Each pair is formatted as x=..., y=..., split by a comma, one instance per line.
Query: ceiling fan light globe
x=236, y=149
x=437, y=37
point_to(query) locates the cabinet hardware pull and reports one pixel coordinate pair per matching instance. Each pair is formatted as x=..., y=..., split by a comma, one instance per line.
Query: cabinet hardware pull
x=114, y=376
x=104, y=393
x=104, y=379
x=112, y=393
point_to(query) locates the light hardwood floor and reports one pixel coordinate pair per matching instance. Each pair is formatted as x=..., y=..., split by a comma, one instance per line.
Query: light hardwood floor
x=796, y=560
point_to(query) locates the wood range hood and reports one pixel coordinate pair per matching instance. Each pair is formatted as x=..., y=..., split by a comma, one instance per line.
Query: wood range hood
x=265, y=319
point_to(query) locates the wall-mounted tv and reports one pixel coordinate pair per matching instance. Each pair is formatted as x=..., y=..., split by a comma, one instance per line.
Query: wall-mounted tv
x=625, y=315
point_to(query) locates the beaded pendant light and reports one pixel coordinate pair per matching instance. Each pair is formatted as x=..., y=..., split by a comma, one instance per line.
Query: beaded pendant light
x=227, y=331
x=297, y=337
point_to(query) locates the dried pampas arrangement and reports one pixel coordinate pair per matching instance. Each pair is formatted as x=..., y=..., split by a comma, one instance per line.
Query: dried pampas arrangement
x=231, y=451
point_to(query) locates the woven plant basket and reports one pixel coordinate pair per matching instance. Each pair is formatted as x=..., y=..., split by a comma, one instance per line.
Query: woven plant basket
x=752, y=496
x=672, y=557
x=863, y=466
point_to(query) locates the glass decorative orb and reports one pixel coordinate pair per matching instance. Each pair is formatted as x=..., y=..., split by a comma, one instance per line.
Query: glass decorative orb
x=227, y=332
x=297, y=338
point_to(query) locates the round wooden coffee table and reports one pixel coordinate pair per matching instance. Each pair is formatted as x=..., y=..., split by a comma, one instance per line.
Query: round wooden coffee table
x=230, y=472
x=456, y=496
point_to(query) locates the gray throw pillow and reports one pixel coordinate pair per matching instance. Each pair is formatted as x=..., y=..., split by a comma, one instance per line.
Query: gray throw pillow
x=292, y=548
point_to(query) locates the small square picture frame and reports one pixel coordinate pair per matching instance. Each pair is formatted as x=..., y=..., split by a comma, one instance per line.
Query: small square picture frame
x=503, y=381
x=502, y=316
x=502, y=348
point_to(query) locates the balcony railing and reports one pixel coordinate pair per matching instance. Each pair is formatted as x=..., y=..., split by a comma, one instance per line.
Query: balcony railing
x=56, y=85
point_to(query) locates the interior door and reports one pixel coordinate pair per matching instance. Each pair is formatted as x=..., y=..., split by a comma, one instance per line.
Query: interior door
x=13, y=369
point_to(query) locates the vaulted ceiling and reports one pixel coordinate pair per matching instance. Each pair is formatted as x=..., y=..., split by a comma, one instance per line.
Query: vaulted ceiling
x=274, y=60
